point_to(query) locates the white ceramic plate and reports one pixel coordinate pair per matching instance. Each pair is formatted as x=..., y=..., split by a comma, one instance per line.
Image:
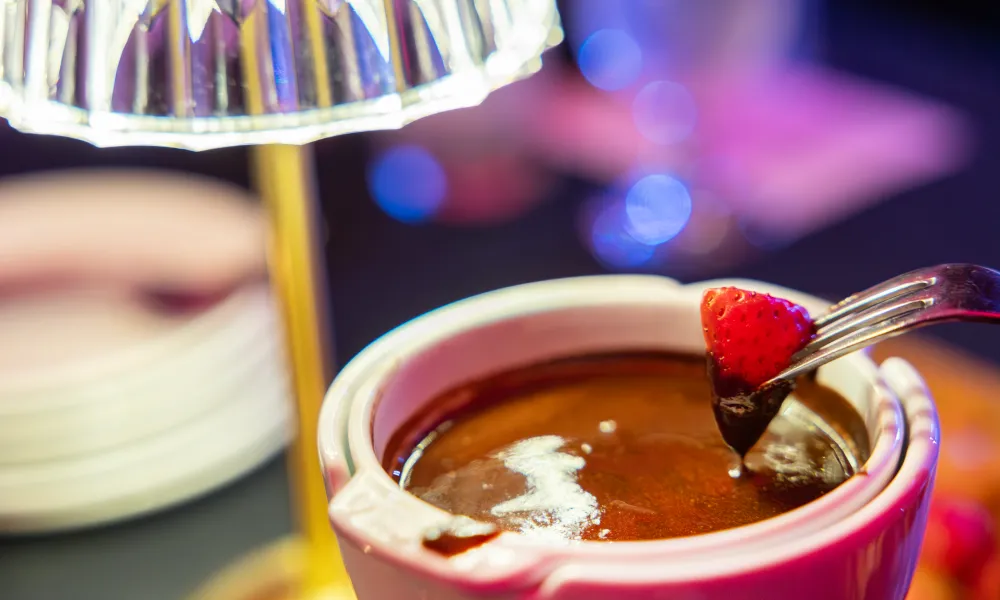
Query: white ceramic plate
x=120, y=415
x=235, y=341
x=149, y=475
x=157, y=355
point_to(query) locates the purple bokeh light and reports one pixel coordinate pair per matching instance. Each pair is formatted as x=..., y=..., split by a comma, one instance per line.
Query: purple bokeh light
x=611, y=242
x=664, y=112
x=610, y=59
x=657, y=208
x=408, y=183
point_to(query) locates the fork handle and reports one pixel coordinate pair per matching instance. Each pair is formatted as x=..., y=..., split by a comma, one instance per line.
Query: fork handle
x=979, y=298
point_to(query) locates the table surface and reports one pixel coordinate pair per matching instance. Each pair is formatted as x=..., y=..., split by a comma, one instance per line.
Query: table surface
x=383, y=273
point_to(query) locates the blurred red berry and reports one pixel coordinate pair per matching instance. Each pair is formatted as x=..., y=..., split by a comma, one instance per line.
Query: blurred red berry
x=960, y=539
x=931, y=585
x=988, y=585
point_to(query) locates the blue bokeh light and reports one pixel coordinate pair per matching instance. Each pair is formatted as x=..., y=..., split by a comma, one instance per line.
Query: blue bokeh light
x=657, y=207
x=408, y=183
x=611, y=242
x=664, y=112
x=610, y=59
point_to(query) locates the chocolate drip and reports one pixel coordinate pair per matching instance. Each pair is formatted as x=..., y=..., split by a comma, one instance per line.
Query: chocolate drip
x=461, y=535
x=743, y=414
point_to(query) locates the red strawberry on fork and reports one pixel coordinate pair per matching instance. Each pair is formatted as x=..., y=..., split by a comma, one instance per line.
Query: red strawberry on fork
x=750, y=337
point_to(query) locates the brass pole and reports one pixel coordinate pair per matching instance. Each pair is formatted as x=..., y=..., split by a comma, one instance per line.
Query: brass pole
x=284, y=179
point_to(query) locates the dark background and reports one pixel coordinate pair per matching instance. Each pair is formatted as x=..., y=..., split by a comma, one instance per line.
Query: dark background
x=384, y=272
x=976, y=14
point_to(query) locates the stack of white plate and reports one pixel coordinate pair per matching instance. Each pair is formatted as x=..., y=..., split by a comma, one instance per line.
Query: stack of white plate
x=109, y=410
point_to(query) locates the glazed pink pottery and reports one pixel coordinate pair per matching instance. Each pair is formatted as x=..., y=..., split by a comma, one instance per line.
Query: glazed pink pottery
x=858, y=542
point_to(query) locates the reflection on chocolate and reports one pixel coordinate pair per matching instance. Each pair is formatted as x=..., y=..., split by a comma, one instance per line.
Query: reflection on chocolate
x=619, y=447
x=460, y=535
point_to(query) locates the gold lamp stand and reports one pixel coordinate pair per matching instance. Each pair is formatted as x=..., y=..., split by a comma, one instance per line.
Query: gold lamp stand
x=307, y=567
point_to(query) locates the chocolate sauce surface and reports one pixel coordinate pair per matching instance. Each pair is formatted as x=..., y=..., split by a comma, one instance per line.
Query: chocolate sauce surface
x=613, y=447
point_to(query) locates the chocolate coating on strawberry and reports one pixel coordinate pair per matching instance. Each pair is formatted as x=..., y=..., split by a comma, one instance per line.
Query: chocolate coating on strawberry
x=750, y=337
x=743, y=416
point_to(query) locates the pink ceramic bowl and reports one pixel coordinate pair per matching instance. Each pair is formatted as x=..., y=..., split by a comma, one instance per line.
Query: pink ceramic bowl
x=860, y=541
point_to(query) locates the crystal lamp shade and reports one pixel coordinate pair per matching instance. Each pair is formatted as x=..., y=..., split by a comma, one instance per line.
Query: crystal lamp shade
x=202, y=74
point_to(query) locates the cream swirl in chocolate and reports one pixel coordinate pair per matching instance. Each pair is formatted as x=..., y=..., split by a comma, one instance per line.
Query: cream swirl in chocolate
x=614, y=448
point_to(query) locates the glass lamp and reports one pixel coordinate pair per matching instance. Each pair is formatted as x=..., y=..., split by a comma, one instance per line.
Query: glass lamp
x=275, y=74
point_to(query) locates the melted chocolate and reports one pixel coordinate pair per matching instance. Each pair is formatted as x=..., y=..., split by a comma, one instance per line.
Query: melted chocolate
x=460, y=535
x=742, y=415
x=615, y=448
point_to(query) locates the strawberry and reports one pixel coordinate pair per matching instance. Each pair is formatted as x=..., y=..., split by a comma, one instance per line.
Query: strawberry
x=750, y=337
x=987, y=586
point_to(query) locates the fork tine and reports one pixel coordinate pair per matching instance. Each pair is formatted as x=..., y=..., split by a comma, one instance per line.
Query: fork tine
x=888, y=328
x=855, y=321
x=953, y=292
x=883, y=292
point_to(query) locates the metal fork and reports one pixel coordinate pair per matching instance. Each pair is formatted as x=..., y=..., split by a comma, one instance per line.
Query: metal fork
x=953, y=292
